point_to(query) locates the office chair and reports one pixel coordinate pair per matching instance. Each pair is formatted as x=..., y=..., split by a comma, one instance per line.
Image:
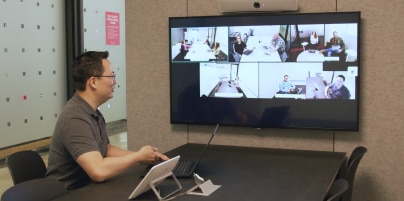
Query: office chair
x=348, y=172
x=336, y=190
x=43, y=189
x=25, y=165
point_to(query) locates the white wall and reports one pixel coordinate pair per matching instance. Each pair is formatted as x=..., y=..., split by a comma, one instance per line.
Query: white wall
x=94, y=15
x=33, y=69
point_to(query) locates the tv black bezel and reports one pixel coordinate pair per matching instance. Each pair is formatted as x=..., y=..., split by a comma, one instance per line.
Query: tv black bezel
x=275, y=19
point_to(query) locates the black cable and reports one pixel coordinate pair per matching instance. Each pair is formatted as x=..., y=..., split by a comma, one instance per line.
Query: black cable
x=333, y=141
x=187, y=8
x=336, y=5
x=187, y=133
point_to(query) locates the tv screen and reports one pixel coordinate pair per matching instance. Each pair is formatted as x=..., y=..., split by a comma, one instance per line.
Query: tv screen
x=266, y=70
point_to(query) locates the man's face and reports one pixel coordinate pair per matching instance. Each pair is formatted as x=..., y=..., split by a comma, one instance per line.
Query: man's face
x=339, y=82
x=335, y=34
x=108, y=82
x=285, y=78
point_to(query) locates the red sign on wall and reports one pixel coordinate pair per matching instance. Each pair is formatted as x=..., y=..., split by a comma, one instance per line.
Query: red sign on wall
x=112, y=29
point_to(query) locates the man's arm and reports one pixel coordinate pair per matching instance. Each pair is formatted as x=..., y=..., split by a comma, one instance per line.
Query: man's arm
x=327, y=91
x=114, y=151
x=280, y=86
x=117, y=161
x=342, y=44
x=292, y=85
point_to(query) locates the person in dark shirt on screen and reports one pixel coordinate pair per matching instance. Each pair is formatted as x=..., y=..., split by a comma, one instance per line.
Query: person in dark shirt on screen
x=238, y=47
x=338, y=90
x=336, y=45
x=80, y=151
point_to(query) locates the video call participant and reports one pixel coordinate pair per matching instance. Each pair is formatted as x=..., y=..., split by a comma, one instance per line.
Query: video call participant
x=338, y=90
x=285, y=87
x=313, y=40
x=216, y=49
x=184, y=47
x=279, y=45
x=80, y=151
x=238, y=47
x=336, y=44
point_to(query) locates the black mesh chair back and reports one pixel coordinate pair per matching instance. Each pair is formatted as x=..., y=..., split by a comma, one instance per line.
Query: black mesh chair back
x=349, y=173
x=25, y=165
x=43, y=189
x=338, y=187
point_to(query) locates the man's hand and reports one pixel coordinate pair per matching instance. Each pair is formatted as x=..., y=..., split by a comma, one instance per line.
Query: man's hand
x=151, y=155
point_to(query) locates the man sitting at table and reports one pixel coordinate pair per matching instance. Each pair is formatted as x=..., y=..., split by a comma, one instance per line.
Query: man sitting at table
x=278, y=44
x=335, y=46
x=80, y=151
x=184, y=47
x=286, y=87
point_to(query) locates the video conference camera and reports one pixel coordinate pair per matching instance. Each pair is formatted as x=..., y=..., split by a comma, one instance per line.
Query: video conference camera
x=256, y=6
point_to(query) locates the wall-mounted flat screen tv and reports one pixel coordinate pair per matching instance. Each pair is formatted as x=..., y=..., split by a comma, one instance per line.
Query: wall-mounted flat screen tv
x=297, y=70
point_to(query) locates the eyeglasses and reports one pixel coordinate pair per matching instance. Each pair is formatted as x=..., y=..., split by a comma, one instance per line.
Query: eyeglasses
x=112, y=76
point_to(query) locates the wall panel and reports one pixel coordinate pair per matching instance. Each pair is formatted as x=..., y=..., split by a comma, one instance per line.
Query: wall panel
x=379, y=175
x=32, y=71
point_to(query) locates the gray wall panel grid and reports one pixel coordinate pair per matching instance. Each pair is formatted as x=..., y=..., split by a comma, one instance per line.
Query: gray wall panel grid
x=379, y=176
x=32, y=71
x=95, y=40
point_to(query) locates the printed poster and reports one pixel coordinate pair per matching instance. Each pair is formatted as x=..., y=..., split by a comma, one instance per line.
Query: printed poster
x=112, y=29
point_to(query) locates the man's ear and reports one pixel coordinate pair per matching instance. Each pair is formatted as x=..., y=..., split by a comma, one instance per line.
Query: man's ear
x=92, y=82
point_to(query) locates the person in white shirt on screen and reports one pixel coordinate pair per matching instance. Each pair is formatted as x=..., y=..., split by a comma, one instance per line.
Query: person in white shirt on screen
x=313, y=40
x=286, y=87
x=279, y=45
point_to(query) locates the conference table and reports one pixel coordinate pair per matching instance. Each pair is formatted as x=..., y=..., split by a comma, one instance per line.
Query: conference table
x=243, y=173
x=314, y=56
x=200, y=52
x=261, y=51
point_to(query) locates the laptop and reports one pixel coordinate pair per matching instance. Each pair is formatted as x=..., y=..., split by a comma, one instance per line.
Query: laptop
x=186, y=168
x=247, y=52
x=157, y=175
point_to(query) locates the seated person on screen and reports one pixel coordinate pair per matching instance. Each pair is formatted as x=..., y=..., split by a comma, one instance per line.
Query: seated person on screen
x=207, y=42
x=238, y=48
x=338, y=90
x=313, y=41
x=80, y=151
x=278, y=44
x=184, y=47
x=336, y=45
x=216, y=49
x=286, y=87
